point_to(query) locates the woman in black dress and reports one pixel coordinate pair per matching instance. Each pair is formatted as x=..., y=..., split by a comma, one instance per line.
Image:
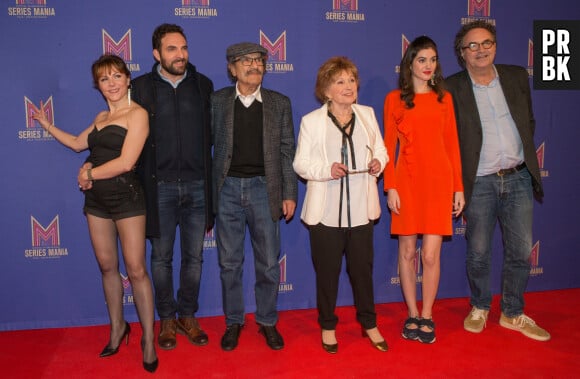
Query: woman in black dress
x=114, y=202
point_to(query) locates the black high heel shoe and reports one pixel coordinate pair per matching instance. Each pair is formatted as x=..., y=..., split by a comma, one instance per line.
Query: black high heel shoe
x=149, y=366
x=331, y=348
x=380, y=346
x=108, y=350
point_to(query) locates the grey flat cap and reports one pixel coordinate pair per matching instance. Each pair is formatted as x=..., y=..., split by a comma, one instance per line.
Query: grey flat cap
x=237, y=50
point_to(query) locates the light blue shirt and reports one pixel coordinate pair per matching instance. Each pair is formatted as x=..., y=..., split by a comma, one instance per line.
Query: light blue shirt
x=174, y=85
x=502, y=146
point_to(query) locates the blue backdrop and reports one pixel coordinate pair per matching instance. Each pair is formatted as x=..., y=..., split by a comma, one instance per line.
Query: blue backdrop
x=48, y=274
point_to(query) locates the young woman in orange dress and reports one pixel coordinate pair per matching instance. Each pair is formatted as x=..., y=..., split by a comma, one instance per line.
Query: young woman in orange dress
x=423, y=185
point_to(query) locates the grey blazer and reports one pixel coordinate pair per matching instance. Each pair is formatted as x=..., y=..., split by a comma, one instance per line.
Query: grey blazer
x=516, y=88
x=279, y=145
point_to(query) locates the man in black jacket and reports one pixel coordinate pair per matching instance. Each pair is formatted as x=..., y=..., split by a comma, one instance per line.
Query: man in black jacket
x=496, y=127
x=175, y=168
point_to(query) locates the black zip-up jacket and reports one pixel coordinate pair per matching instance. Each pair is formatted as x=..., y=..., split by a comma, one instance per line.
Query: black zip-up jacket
x=179, y=142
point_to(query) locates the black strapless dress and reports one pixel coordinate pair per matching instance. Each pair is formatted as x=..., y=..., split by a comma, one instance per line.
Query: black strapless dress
x=118, y=197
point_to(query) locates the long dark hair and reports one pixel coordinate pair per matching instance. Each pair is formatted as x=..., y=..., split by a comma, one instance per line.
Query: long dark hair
x=406, y=76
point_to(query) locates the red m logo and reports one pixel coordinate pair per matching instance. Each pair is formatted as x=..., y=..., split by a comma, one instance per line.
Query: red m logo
x=479, y=8
x=121, y=48
x=276, y=49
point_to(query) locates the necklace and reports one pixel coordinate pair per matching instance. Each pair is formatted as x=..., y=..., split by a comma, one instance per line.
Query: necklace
x=342, y=120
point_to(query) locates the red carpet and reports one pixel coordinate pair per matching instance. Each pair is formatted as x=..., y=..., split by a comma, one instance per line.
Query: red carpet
x=495, y=353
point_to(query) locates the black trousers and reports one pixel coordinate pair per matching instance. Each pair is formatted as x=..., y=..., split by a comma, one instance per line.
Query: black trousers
x=328, y=245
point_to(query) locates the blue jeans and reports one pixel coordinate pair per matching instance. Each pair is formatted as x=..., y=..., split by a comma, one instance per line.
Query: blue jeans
x=509, y=199
x=183, y=204
x=241, y=202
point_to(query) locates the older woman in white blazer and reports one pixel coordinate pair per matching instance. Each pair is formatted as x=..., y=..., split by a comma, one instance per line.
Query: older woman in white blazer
x=340, y=154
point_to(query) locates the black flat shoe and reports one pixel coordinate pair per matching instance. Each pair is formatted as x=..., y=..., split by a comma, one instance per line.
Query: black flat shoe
x=108, y=350
x=273, y=339
x=331, y=349
x=230, y=338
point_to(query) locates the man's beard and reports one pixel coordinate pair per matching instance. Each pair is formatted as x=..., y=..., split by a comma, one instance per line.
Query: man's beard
x=171, y=69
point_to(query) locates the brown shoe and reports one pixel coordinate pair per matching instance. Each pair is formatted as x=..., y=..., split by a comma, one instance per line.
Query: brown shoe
x=189, y=327
x=166, y=339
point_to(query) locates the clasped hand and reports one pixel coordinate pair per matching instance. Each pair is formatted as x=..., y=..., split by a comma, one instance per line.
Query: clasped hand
x=339, y=170
x=84, y=183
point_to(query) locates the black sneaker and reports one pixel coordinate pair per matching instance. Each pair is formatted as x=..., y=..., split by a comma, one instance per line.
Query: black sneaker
x=273, y=338
x=426, y=337
x=411, y=333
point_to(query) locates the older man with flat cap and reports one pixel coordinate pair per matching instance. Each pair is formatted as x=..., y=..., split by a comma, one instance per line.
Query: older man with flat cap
x=254, y=185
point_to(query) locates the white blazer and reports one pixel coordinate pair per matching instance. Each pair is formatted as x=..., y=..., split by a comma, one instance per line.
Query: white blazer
x=311, y=163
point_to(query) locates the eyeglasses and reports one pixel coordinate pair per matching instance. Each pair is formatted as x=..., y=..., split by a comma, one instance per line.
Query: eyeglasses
x=474, y=46
x=366, y=170
x=247, y=61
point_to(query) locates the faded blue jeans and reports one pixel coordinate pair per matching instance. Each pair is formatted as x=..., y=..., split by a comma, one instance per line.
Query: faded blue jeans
x=509, y=200
x=241, y=202
x=180, y=204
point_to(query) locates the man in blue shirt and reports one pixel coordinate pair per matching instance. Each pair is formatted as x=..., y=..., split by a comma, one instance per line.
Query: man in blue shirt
x=496, y=127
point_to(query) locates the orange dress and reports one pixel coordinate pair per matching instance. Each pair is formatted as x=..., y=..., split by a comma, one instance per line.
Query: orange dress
x=427, y=170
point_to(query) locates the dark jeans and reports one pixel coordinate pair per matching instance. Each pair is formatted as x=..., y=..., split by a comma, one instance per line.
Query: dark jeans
x=241, y=202
x=180, y=204
x=508, y=199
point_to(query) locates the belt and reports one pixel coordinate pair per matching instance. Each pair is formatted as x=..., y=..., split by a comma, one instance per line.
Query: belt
x=513, y=170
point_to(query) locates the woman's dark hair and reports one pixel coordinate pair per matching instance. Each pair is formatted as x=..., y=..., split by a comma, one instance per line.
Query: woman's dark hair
x=406, y=76
x=107, y=62
x=328, y=72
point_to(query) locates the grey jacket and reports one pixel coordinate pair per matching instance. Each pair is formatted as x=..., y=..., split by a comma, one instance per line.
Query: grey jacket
x=279, y=145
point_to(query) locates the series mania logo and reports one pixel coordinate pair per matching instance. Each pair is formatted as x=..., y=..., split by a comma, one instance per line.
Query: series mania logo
x=540, y=151
x=396, y=280
x=344, y=11
x=277, y=62
x=209, y=240
x=404, y=45
x=34, y=131
x=460, y=223
x=128, y=298
x=284, y=286
x=122, y=48
x=31, y=9
x=45, y=240
x=535, y=269
x=195, y=9
x=478, y=10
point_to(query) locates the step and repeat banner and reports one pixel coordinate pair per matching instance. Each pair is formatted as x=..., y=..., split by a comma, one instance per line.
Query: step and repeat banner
x=48, y=273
